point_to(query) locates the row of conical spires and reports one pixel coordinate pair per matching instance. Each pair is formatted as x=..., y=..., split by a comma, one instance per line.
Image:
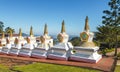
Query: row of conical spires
x=86, y=28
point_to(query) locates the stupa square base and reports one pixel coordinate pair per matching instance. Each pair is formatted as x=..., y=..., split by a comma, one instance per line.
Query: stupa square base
x=38, y=56
x=5, y=50
x=23, y=55
x=74, y=58
x=12, y=54
x=14, y=51
x=25, y=52
x=39, y=53
x=50, y=56
x=86, y=54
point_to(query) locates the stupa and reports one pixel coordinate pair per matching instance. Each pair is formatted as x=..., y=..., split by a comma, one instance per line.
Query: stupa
x=16, y=48
x=27, y=48
x=11, y=38
x=7, y=47
x=61, y=51
x=32, y=38
x=21, y=39
x=87, y=51
x=3, y=40
x=0, y=46
x=46, y=42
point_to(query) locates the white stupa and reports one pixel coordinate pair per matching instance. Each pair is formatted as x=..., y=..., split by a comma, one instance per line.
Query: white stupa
x=87, y=51
x=27, y=48
x=3, y=40
x=7, y=47
x=61, y=51
x=32, y=37
x=46, y=42
x=21, y=39
x=18, y=43
x=11, y=38
x=16, y=48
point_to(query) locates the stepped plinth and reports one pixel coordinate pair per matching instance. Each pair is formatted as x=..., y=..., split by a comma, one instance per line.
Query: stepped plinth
x=61, y=51
x=46, y=42
x=87, y=51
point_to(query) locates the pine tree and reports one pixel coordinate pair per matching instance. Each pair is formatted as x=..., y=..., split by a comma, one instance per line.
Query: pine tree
x=108, y=31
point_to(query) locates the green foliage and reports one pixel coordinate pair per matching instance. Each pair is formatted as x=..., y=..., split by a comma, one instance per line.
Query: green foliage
x=107, y=50
x=111, y=25
x=75, y=41
x=8, y=30
x=4, y=69
x=42, y=67
x=118, y=55
x=117, y=69
x=1, y=26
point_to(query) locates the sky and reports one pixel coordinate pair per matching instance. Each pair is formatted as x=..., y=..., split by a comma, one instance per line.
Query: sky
x=36, y=13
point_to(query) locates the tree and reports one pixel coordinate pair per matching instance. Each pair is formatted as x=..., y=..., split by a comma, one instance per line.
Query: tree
x=1, y=26
x=75, y=41
x=8, y=30
x=111, y=24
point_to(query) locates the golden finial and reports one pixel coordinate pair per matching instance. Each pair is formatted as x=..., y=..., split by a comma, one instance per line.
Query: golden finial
x=86, y=24
x=31, y=32
x=3, y=35
x=11, y=34
x=45, y=29
x=63, y=27
x=20, y=32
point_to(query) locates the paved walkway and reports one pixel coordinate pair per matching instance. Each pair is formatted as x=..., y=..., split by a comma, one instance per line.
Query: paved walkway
x=105, y=64
x=112, y=54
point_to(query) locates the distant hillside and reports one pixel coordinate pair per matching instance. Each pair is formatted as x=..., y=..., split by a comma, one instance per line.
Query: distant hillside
x=24, y=34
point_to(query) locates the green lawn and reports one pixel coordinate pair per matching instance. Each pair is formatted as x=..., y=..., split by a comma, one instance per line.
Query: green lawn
x=117, y=69
x=4, y=69
x=42, y=67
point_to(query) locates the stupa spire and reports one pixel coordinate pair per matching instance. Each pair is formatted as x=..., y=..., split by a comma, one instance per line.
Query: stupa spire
x=86, y=25
x=3, y=35
x=63, y=27
x=45, y=29
x=31, y=32
x=11, y=34
x=20, y=32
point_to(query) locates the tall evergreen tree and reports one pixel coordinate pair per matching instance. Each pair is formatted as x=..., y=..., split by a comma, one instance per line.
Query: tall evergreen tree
x=111, y=24
x=1, y=26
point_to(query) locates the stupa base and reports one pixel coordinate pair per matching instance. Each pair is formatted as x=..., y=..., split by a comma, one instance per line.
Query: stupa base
x=86, y=55
x=5, y=50
x=50, y=56
x=25, y=52
x=86, y=59
x=39, y=53
x=14, y=51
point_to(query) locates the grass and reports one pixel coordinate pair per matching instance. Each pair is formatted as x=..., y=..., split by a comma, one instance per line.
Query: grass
x=4, y=69
x=117, y=69
x=42, y=67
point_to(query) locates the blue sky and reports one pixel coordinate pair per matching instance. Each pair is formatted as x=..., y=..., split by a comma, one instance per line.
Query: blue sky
x=25, y=13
